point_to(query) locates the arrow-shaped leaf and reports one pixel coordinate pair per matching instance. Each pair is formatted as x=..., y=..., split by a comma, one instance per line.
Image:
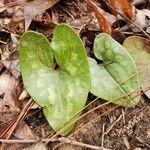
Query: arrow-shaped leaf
x=117, y=75
x=62, y=91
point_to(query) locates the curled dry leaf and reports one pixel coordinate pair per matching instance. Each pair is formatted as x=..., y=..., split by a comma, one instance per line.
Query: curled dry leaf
x=105, y=19
x=139, y=48
x=35, y=7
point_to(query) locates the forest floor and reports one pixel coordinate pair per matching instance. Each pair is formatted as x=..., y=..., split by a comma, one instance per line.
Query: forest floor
x=109, y=127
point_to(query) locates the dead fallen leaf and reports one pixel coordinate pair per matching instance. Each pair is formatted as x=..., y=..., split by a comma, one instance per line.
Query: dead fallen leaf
x=138, y=2
x=22, y=132
x=1, y=67
x=148, y=29
x=9, y=110
x=23, y=95
x=142, y=19
x=38, y=146
x=9, y=91
x=123, y=7
x=11, y=147
x=11, y=62
x=139, y=48
x=35, y=7
x=103, y=23
x=2, y=7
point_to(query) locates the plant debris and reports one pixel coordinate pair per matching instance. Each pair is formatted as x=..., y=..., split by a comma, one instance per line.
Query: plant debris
x=102, y=125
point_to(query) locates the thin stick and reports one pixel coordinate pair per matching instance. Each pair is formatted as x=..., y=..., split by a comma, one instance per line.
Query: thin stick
x=113, y=124
x=103, y=134
x=4, y=141
x=66, y=140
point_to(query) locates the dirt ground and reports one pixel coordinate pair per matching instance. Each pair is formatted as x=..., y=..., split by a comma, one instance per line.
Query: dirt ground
x=119, y=129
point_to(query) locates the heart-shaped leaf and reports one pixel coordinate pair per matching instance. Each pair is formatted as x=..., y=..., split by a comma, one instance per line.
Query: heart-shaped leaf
x=62, y=91
x=139, y=48
x=117, y=75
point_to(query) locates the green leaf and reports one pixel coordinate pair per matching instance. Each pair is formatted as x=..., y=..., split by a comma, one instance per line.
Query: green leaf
x=117, y=75
x=62, y=91
x=139, y=48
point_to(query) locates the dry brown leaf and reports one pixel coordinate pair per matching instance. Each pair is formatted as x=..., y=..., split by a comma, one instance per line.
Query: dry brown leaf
x=35, y=7
x=22, y=132
x=38, y=146
x=142, y=19
x=1, y=67
x=9, y=91
x=100, y=15
x=138, y=2
x=11, y=62
x=123, y=7
x=9, y=110
x=2, y=7
x=24, y=94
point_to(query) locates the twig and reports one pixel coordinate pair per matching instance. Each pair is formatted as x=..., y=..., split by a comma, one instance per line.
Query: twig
x=141, y=141
x=3, y=42
x=66, y=140
x=123, y=116
x=113, y=124
x=103, y=134
x=3, y=141
x=126, y=142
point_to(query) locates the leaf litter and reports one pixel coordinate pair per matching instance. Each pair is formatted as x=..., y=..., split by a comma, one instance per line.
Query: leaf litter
x=137, y=133
x=10, y=89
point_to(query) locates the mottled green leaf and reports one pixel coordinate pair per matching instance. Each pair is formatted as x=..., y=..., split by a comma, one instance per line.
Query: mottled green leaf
x=139, y=48
x=62, y=91
x=117, y=75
